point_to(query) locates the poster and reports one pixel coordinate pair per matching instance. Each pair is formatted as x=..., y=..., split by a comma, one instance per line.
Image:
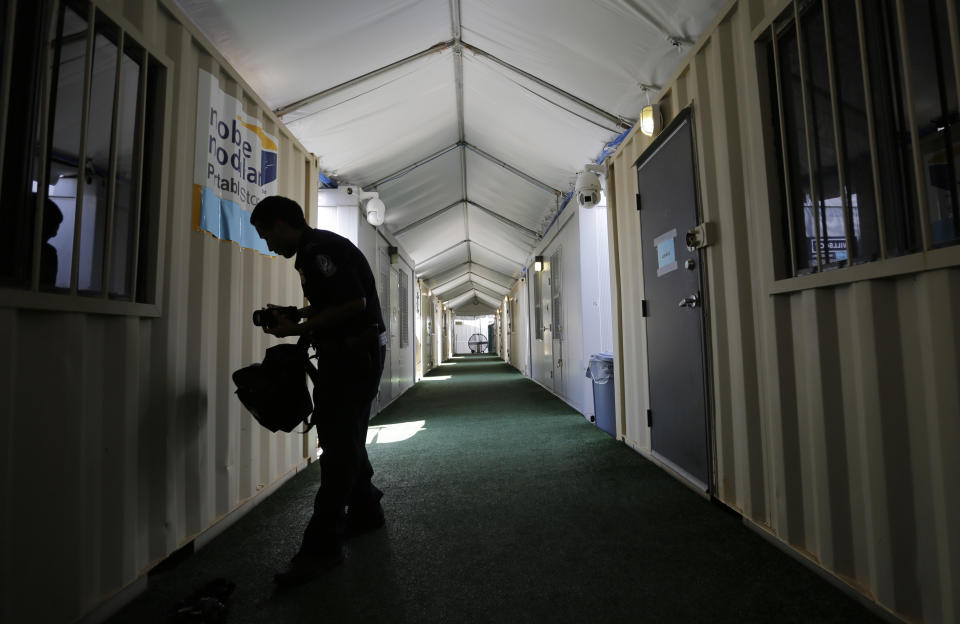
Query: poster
x=234, y=168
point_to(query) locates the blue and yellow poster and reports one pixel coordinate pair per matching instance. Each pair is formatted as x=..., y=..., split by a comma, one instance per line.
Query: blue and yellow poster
x=235, y=166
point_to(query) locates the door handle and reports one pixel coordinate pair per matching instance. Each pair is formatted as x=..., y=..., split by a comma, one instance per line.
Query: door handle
x=691, y=301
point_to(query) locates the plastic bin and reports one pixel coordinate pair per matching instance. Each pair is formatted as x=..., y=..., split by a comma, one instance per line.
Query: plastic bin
x=600, y=371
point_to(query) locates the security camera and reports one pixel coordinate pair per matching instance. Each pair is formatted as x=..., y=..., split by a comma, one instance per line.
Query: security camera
x=588, y=187
x=373, y=208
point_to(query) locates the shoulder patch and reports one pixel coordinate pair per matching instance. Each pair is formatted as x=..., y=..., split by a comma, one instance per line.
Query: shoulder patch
x=324, y=265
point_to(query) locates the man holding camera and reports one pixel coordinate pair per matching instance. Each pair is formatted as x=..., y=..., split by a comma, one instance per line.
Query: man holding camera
x=344, y=324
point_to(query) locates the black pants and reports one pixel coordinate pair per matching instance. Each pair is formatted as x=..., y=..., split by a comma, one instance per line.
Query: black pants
x=345, y=470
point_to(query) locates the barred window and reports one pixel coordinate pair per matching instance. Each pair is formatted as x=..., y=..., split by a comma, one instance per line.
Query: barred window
x=863, y=103
x=404, y=313
x=556, y=322
x=82, y=122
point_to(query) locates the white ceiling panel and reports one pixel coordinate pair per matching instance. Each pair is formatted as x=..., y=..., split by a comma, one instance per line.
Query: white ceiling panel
x=489, y=284
x=471, y=309
x=547, y=141
x=444, y=261
x=435, y=235
x=498, y=236
x=601, y=51
x=449, y=285
x=494, y=260
x=430, y=187
x=290, y=49
x=373, y=128
x=506, y=193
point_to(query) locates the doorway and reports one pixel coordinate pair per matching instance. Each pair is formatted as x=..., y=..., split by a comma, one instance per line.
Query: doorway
x=673, y=289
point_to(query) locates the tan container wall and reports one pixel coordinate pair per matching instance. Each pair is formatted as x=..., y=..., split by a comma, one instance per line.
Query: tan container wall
x=835, y=410
x=123, y=437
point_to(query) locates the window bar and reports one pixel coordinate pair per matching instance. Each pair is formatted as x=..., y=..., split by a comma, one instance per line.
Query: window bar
x=871, y=128
x=5, y=73
x=808, y=129
x=837, y=135
x=112, y=183
x=783, y=150
x=82, y=156
x=138, y=173
x=919, y=177
x=953, y=21
x=43, y=123
x=953, y=130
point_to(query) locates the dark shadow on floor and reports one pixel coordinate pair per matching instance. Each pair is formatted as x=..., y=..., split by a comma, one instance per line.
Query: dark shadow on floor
x=504, y=505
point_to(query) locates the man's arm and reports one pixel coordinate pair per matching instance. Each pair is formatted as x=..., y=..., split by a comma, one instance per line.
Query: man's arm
x=326, y=318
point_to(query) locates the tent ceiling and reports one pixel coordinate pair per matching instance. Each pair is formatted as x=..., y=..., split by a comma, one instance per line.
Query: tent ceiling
x=470, y=118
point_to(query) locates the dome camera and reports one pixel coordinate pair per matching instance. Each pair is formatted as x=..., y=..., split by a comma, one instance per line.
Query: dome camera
x=588, y=187
x=375, y=211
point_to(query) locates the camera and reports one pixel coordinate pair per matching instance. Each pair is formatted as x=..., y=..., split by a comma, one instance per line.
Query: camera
x=269, y=318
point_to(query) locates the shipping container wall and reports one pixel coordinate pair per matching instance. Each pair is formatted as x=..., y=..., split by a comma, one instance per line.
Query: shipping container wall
x=834, y=408
x=123, y=437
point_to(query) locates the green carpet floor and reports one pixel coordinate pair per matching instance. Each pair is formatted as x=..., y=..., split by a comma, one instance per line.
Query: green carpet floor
x=505, y=505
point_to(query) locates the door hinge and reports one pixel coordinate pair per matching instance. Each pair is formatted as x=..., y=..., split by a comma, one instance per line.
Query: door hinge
x=643, y=307
x=649, y=418
x=638, y=201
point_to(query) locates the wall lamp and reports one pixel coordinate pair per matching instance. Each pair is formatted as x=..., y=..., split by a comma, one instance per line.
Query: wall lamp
x=538, y=264
x=650, y=119
x=394, y=254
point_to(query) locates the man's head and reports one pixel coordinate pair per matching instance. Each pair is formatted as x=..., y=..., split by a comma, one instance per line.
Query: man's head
x=279, y=221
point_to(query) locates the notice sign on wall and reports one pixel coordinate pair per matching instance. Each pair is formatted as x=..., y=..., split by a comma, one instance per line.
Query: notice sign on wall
x=235, y=166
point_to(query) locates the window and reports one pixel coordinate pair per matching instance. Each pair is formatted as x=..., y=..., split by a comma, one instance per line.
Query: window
x=855, y=127
x=81, y=156
x=556, y=324
x=404, y=314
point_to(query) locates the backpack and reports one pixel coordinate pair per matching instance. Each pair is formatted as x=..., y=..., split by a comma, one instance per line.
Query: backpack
x=275, y=391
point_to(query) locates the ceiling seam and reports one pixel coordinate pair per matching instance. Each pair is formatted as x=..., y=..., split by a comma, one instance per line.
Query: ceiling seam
x=285, y=110
x=619, y=120
x=529, y=178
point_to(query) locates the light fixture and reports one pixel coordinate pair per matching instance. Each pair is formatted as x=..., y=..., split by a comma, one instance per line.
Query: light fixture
x=650, y=119
x=394, y=254
x=538, y=263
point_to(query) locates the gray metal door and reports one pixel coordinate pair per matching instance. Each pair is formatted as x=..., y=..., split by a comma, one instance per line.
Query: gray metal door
x=672, y=283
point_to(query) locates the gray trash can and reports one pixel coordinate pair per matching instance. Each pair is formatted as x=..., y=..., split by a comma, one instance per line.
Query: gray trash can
x=600, y=371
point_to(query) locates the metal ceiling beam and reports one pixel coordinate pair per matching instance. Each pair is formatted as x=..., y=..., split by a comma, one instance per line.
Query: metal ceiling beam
x=506, y=220
x=480, y=270
x=440, y=253
x=621, y=122
x=310, y=99
x=496, y=253
x=430, y=216
x=513, y=170
x=470, y=275
x=402, y=172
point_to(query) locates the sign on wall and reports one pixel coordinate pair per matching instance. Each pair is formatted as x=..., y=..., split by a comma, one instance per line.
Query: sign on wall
x=235, y=166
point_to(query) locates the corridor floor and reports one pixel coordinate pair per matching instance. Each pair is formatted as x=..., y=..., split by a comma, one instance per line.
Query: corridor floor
x=505, y=505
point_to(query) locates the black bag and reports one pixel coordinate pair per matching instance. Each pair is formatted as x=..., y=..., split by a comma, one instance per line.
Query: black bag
x=275, y=391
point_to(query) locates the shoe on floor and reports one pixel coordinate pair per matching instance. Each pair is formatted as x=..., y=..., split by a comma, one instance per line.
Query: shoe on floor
x=305, y=566
x=359, y=522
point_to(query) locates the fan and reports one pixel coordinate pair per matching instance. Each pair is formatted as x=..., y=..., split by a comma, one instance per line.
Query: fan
x=477, y=343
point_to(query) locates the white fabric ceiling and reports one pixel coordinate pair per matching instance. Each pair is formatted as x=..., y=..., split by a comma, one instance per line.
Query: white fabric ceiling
x=470, y=118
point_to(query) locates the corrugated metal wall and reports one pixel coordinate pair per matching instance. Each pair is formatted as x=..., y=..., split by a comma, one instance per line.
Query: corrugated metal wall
x=123, y=439
x=836, y=410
